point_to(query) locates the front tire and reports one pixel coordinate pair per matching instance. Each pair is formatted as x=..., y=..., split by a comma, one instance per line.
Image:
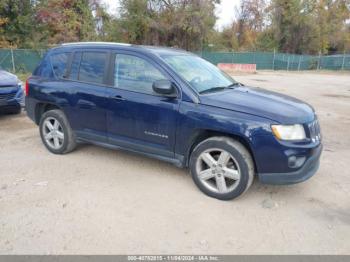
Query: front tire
x=56, y=133
x=222, y=168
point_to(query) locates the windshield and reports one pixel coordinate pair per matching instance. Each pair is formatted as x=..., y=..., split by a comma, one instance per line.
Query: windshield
x=201, y=75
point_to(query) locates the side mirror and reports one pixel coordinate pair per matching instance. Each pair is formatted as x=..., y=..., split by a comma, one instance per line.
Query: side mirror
x=164, y=87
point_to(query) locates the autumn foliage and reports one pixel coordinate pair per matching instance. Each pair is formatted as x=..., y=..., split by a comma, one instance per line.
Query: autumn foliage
x=294, y=26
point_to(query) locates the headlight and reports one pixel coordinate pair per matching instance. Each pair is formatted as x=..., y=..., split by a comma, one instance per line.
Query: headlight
x=289, y=132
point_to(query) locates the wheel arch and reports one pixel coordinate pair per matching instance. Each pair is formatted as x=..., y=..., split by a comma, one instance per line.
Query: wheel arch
x=204, y=134
x=41, y=108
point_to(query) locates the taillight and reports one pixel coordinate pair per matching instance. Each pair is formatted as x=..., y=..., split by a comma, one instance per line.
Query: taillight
x=27, y=88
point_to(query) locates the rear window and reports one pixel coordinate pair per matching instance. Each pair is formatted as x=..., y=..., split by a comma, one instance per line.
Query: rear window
x=59, y=64
x=92, y=67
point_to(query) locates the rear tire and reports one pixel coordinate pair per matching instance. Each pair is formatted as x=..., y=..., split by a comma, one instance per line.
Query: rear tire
x=56, y=133
x=222, y=168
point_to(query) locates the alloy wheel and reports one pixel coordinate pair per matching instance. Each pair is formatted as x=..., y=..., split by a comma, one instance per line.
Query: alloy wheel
x=218, y=170
x=53, y=133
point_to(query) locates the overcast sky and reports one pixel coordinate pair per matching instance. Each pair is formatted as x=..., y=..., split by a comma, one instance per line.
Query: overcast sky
x=225, y=11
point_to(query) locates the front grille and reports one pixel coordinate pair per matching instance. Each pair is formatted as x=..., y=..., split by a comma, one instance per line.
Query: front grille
x=7, y=96
x=315, y=131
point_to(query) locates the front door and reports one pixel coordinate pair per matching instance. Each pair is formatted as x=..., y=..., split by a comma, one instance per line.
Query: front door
x=138, y=118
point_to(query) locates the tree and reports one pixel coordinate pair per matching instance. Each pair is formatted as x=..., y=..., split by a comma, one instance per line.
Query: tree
x=288, y=24
x=310, y=26
x=16, y=23
x=338, y=21
x=66, y=20
x=108, y=27
x=250, y=23
x=250, y=27
x=182, y=23
x=294, y=26
x=195, y=20
x=135, y=18
x=4, y=43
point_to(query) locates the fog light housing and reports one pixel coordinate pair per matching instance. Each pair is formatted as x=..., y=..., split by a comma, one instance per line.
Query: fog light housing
x=295, y=161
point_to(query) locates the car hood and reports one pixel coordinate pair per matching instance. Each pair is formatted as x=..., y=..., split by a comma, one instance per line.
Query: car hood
x=256, y=101
x=7, y=79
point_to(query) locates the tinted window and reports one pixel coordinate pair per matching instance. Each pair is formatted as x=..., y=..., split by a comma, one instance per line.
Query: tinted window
x=59, y=64
x=74, y=69
x=135, y=74
x=44, y=69
x=92, y=67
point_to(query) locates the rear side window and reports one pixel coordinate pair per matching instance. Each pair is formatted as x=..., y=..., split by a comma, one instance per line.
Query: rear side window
x=59, y=64
x=92, y=67
x=74, y=69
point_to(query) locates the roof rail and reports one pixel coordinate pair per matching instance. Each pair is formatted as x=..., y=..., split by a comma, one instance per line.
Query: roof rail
x=92, y=43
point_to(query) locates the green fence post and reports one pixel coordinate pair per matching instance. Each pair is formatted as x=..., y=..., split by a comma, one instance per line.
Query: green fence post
x=319, y=61
x=273, y=61
x=299, y=62
x=13, y=61
x=288, y=63
x=343, y=64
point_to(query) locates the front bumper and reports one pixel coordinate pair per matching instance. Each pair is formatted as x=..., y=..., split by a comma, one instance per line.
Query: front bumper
x=309, y=168
x=12, y=97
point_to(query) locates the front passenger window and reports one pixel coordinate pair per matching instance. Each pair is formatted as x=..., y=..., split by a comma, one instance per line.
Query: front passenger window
x=135, y=74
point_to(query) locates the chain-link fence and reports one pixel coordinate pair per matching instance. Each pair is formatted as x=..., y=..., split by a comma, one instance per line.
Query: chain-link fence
x=280, y=61
x=25, y=60
x=20, y=60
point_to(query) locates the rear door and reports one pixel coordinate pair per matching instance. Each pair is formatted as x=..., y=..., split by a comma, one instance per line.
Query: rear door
x=137, y=117
x=87, y=77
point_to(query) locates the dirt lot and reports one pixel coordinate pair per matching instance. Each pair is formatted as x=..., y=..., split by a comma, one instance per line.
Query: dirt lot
x=99, y=201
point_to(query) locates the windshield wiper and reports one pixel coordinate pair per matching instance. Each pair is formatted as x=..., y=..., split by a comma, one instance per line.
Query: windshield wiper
x=219, y=88
x=213, y=89
x=235, y=84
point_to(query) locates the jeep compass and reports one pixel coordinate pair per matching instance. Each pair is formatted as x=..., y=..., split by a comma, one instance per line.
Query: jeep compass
x=172, y=105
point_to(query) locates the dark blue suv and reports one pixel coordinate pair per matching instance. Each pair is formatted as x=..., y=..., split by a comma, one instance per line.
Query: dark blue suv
x=172, y=105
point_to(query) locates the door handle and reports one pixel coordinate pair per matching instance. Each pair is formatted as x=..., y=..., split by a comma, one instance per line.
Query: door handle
x=118, y=98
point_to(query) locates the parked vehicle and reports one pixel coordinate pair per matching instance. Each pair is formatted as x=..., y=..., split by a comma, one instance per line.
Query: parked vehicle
x=11, y=93
x=174, y=106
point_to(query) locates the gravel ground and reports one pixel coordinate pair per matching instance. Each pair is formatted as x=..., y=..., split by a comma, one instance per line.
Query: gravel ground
x=100, y=201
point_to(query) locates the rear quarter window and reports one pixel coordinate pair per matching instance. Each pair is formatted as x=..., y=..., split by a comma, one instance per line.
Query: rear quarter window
x=44, y=69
